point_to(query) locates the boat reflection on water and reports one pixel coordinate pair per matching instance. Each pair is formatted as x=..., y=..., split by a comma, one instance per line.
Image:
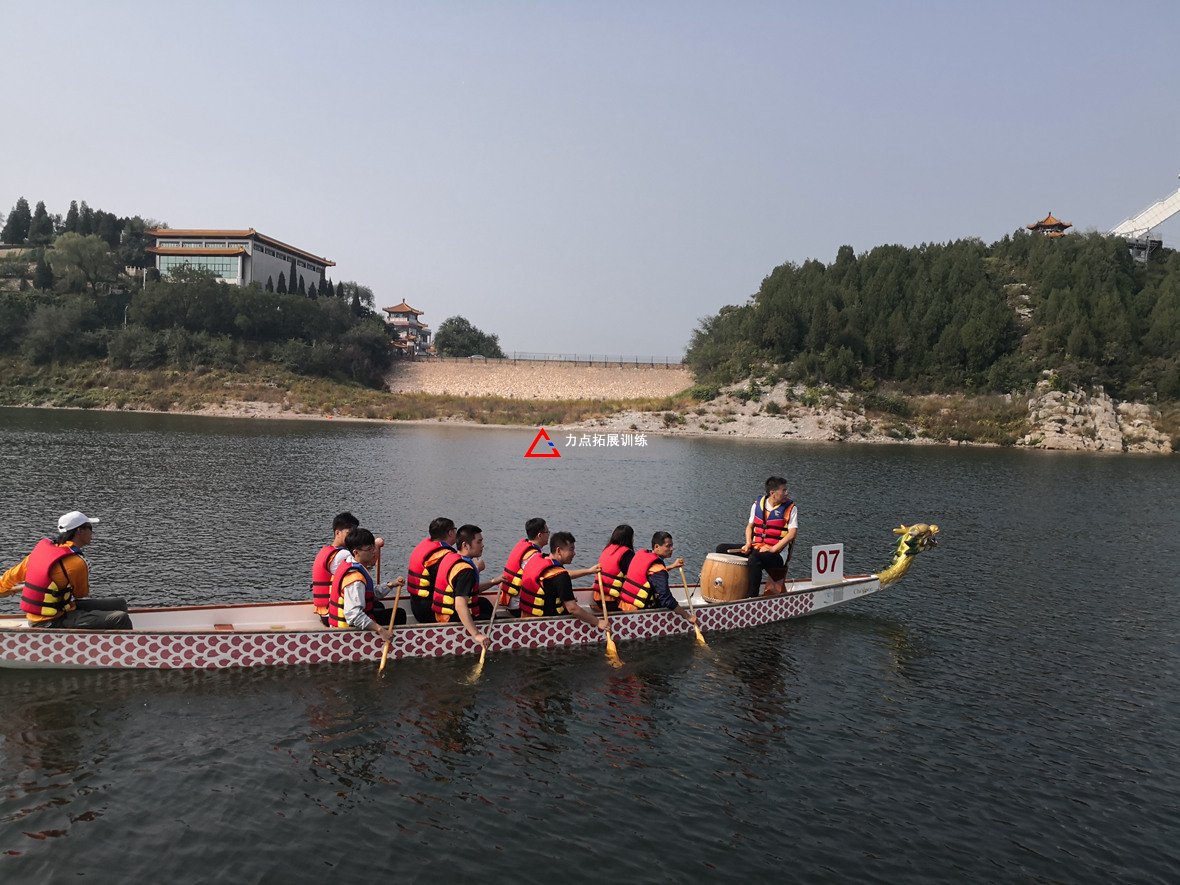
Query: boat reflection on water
x=765, y=671
x=348, y=741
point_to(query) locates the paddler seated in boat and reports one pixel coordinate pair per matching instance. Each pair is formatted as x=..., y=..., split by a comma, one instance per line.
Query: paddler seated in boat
x=614, y=560
x=423, y=570
x=328, y=561
x=770, y=538
x=546, y=587
x=56, y=582
x=354, y=599
x=457, y=587
x=646, y=584
x=536, y=536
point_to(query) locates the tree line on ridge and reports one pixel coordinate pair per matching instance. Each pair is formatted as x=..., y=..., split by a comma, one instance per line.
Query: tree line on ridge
x=959, y=316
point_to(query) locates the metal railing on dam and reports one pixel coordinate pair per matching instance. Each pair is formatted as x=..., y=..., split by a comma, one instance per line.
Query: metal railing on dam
x=571, y=359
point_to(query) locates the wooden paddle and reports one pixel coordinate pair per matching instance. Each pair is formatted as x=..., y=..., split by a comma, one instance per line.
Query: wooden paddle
x=380, y=542
x=483, y=649
x=397, y=598
x=612, y=653
x=688, y=599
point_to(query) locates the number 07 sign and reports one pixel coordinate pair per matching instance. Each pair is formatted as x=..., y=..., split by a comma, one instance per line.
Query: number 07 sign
x=827, y=564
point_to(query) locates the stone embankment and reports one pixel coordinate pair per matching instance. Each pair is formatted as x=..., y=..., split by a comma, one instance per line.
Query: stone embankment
x=538, y=380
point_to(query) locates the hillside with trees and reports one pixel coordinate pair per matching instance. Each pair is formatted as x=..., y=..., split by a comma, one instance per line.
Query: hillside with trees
x=124, y=237
x=959, y=316
x=81, y=289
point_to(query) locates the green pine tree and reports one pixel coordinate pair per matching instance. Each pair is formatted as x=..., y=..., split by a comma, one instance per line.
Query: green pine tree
x=85, y=220
x=40, y=227
x=43, y=274
x=16, y=227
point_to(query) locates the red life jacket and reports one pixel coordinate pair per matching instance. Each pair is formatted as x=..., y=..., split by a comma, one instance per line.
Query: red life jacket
x=419, y=580
x=636, y=590
x=336, y=594
x=771, y=525
x=611, y=560
x=44, y=598
x=451, y=566
x=532, y=590
x=514, y=568
x=321, y=578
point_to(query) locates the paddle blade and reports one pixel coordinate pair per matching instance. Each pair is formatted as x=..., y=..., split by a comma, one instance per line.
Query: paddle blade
x=384, y=658
x=478, y=670
x=700, y=637
x=612, y=653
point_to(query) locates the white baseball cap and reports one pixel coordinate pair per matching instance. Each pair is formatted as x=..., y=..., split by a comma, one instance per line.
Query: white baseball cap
x=72, y=520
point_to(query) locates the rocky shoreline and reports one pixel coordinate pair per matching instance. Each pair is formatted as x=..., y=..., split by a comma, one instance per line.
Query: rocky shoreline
x=1047, y=419
x=1052, y=420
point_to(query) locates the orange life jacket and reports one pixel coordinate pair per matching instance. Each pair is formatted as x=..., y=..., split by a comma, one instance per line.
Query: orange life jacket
x=321, y=578
x=336, y=594
x=514, y=568
x=636, y=590
x=46, y=598
x=611, y=560
x=533, y=603
x=451, y=566
x=425, y=556
x=770, y=524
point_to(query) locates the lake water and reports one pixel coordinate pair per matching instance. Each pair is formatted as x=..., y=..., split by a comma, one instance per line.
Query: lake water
x=1009, y=712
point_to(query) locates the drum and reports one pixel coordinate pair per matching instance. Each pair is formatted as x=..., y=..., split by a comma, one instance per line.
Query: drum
x=725, y=577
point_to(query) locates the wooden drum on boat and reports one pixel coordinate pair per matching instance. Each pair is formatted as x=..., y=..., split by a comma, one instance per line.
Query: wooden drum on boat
x=725, y=577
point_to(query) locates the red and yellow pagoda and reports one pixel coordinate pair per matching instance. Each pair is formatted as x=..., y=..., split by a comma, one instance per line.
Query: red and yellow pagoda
x=1049, y=226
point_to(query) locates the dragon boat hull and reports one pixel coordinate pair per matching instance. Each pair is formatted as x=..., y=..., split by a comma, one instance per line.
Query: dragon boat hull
x=210, y=637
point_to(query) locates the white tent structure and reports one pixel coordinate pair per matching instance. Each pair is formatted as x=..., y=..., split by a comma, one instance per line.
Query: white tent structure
x=1138, y=228
x=1150, y=218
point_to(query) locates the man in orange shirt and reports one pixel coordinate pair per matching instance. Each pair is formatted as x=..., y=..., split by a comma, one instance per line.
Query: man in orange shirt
x=55, y=582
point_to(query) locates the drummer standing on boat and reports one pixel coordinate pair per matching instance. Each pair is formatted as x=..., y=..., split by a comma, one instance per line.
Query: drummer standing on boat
x=770, y=530
x=57, y=582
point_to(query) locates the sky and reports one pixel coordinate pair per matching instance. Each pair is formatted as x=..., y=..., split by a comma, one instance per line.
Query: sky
x=591, y=177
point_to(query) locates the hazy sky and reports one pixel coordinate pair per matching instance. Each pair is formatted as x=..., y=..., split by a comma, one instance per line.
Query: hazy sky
x=597, y=176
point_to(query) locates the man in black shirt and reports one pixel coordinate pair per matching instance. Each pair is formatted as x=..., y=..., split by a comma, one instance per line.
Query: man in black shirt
x=547, y=588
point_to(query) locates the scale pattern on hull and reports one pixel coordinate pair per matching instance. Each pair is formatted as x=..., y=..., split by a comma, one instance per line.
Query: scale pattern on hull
x=214, y=650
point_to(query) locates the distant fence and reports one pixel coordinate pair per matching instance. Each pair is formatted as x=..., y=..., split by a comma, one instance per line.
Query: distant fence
x=573, y=359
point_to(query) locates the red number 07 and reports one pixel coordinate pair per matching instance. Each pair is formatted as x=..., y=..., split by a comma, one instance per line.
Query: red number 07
x=821, y=560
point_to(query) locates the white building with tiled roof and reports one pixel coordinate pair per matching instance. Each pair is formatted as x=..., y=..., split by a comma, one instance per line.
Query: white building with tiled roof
x=236, y=256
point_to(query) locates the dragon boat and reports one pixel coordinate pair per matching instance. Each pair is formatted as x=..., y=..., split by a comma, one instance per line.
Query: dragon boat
x=285, y=633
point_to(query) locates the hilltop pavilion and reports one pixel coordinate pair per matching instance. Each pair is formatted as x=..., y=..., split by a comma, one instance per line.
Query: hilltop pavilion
x=1049, y=226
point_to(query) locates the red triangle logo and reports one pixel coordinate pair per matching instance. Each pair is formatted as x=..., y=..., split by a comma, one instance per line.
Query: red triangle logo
x=549, y=450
